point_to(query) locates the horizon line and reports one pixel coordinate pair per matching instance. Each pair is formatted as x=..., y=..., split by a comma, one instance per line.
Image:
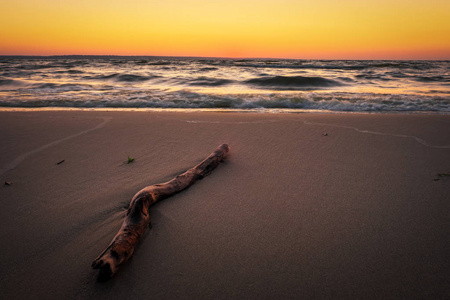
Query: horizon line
x=198, y=57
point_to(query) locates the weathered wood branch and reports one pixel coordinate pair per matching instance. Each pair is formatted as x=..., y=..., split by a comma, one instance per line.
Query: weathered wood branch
x=137, y=217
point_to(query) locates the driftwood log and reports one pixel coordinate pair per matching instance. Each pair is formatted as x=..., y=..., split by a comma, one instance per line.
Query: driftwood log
x=137, y=217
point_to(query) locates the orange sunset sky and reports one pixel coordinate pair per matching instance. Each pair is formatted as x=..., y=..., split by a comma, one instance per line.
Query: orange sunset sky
x=305, y=29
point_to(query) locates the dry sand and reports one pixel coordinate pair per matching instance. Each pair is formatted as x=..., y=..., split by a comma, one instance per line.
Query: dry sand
x=355, y=214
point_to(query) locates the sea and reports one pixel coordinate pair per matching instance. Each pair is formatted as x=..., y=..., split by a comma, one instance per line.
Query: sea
x=265, y=85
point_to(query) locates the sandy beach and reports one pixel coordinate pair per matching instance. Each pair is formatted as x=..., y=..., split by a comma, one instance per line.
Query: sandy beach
x=323, y=206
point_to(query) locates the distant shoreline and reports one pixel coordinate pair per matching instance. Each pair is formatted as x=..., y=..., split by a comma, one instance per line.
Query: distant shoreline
x=80, y=56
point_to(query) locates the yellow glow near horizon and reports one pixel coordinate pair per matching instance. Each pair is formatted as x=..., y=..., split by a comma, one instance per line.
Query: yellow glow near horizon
x=345, y=29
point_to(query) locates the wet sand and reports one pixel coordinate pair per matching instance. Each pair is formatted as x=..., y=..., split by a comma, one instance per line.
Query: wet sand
x=358, y=213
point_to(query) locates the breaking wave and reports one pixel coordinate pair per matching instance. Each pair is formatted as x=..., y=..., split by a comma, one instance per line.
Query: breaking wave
x=208, y=81
x=293, y=82
x=349, y=102
x=121, y=77
x=49, y=88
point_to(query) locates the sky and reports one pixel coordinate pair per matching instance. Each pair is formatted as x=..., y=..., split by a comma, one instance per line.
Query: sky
x=303, y=29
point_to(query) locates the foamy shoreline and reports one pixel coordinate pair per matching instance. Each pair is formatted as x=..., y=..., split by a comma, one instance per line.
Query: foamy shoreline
x=217, y=110
x=312, y=205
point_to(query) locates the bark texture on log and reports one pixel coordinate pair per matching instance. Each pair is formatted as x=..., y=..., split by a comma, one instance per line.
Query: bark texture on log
x=137, y=217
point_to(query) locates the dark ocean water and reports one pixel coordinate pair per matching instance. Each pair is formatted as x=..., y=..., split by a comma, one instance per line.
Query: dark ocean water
x=265, y=84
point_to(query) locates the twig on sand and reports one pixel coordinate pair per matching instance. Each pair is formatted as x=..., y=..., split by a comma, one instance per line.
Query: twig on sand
x=442, y=176
x=137, y=218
